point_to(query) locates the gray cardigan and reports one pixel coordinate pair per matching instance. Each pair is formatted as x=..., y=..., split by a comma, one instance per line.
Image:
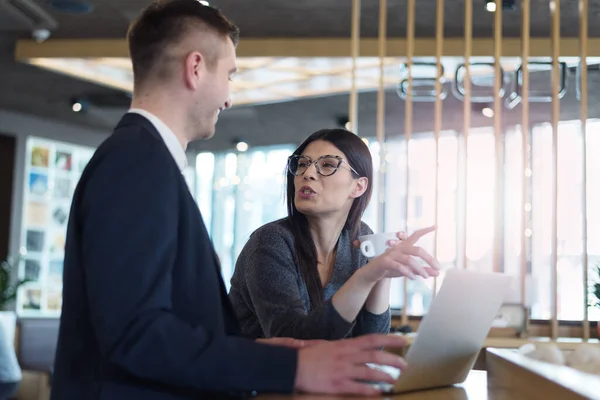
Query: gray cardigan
x=270, y=297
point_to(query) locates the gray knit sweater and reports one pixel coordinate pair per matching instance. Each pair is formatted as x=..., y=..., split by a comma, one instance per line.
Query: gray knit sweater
x=270, y=297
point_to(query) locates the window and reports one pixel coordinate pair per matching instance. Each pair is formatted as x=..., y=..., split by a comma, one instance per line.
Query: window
x=205, y=170
x=477, y=198
x=248, y=193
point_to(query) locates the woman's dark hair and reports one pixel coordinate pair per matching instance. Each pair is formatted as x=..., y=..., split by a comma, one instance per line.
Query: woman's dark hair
x=358, y=156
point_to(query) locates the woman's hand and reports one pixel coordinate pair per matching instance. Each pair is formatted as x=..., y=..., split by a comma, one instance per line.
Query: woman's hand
x=401, y=259
x=400, y=235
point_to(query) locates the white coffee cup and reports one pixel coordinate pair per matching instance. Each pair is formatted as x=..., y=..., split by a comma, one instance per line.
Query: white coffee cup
x=375, y=244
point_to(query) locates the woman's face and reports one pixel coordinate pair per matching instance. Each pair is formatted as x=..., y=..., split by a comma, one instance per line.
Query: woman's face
x=318, y=195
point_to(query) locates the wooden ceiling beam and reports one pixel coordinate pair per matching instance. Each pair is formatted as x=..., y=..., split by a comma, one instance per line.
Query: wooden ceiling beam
x=313, y=47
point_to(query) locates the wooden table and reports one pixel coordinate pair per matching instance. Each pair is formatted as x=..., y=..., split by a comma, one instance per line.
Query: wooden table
x=515, y=376
x=515, y=343
x=474, y=388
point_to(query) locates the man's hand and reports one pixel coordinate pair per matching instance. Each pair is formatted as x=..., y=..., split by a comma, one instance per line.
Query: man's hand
x=335, y=367
x=289, y=342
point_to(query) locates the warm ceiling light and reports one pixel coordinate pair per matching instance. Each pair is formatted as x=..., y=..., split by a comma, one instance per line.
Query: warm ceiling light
x=241, y=146
x=487, y=112
x=507, y=5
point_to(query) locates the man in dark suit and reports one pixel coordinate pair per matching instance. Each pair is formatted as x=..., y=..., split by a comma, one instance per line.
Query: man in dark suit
x=145, y=312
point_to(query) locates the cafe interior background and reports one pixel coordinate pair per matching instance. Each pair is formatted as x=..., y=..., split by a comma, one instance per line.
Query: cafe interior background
x=484, y=123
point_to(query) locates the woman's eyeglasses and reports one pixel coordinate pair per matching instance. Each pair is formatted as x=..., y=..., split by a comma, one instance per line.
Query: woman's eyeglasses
x=326, y=165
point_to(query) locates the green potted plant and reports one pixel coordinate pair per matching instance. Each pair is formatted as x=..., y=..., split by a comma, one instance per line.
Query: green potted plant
x=595, y=294
x=9, y=286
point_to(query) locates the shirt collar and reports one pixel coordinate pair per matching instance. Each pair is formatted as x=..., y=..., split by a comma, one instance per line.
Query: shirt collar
x=167, y=135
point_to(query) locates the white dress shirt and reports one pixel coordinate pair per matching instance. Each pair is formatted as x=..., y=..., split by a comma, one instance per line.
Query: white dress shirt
x=168, y=137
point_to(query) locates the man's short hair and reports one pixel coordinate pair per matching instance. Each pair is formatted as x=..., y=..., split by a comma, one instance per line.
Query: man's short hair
x=164, y=24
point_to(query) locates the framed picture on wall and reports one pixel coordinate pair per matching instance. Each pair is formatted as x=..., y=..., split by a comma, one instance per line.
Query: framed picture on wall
x=40, y=156
x=52, y=170
x=38, y=183
x=63, y=161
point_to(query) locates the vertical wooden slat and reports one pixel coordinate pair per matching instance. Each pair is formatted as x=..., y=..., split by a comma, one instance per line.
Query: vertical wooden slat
x=466, y=125
x=408, y=115
x=583, y=38
x=525, y=35
x=555, y=41
x=381, y=111
x=498, y=134
x=355, y=45
x=437, y=118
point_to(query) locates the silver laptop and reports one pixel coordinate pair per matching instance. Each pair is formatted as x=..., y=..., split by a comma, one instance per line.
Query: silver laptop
x=452, y=333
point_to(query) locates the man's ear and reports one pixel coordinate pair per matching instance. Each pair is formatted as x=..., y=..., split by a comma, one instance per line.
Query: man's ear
x=194, y=68
x=360, y=187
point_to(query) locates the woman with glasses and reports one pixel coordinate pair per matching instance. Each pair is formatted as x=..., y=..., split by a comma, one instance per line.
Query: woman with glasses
x=302, y=276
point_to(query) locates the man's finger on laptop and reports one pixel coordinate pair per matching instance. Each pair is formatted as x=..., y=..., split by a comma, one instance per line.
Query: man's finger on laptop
x=376, y=341
x=379, y=358
x=362, y=372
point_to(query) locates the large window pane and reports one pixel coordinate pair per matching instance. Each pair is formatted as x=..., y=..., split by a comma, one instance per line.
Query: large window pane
x=205, y=169
x=514, y=175
x=570, y=240
x=421, y=205
x=394, y=194
x=249, y=189
x=248, y=193
x=370, y=215
x=593, y=200
x=541, y=216
x=260, y=194
x=480, y=199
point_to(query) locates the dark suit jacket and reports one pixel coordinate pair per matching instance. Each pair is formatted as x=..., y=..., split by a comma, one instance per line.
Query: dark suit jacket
x=145, y=313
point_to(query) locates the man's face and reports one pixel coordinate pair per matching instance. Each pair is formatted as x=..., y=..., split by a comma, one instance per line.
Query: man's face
x=212, y=91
